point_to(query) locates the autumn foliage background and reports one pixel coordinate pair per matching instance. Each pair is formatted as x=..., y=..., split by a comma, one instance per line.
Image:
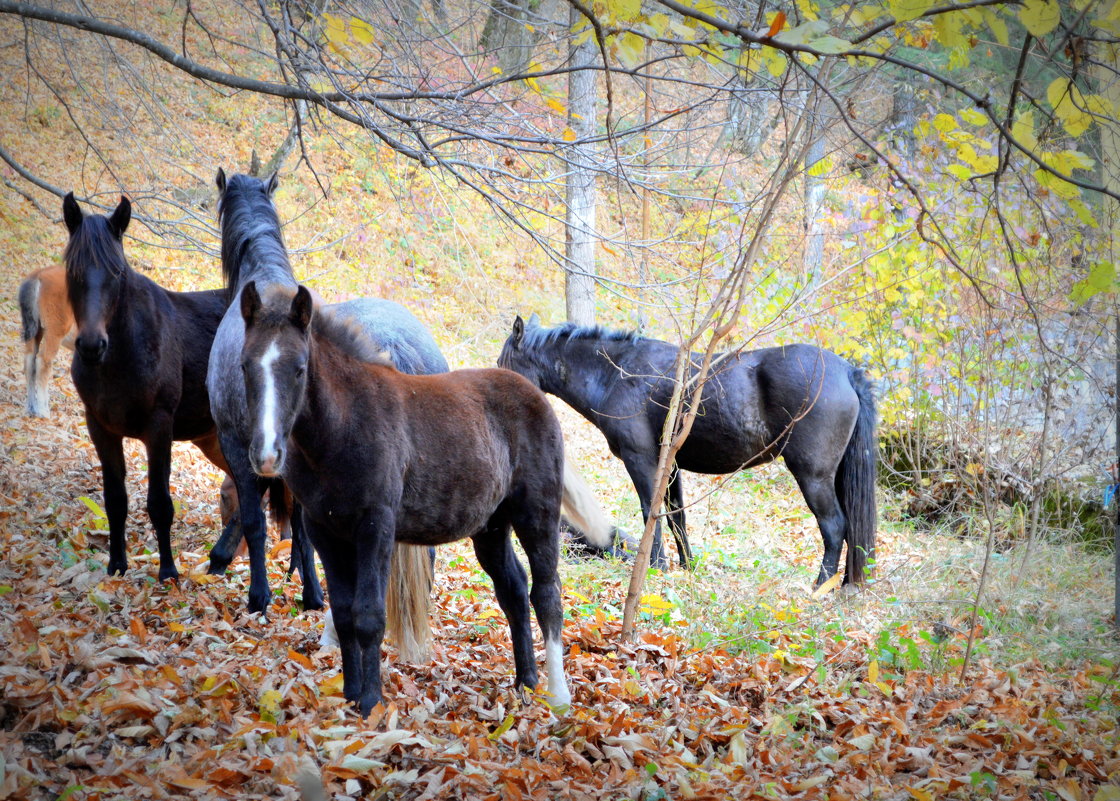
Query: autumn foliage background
x=739, y=684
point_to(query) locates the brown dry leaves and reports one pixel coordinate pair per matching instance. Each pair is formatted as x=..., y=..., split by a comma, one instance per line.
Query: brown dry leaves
x=125, y=688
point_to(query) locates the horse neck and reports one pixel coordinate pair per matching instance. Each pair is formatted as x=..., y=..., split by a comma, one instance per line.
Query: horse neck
x=589, y=373
x=264, y=270
x=332, y=384
x=254, y=252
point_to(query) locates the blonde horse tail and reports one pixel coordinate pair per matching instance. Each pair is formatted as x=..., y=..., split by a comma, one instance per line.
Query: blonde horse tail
x=582, y=511
x=408, y=602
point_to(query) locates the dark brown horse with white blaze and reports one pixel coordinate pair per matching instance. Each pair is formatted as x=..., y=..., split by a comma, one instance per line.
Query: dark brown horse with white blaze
x=377, y=457
x=799, y=402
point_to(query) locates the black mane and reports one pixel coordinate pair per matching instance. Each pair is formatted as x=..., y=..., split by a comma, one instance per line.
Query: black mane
x=340, y=330
x=92, y=246
x=251, y=237
x=538, y=336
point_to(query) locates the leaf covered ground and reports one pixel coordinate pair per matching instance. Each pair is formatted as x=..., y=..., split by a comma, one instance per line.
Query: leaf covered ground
x=739, y=685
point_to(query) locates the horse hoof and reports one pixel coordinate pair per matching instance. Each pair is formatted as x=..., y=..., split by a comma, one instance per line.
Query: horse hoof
x=168, y=575
x=217, y=567
x=257, y=603
x=311, y=604
x=117, y=568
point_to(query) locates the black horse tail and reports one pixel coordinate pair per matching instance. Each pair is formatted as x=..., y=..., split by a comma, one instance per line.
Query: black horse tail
x=31, y=323
x=280, y=504
x=855, y=482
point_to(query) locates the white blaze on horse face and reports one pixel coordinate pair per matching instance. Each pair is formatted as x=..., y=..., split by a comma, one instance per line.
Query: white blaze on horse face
x=268, y=452
x=554, y=667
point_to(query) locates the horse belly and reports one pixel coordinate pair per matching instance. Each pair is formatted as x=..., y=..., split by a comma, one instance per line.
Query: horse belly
x=721, y=443
x=452, y=512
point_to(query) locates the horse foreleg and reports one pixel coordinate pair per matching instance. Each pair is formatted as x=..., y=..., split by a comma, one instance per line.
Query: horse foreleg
x=110, y=452
x=303, y=558
x=375, y=550
x=675, y=501
x=161, y=510
x=495, y=554
x=340, y=569
x=249, y=491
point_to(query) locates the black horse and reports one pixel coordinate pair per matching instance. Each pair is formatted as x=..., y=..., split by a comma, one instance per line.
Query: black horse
x=799, y=402
x=139, y=367
x=436, y=458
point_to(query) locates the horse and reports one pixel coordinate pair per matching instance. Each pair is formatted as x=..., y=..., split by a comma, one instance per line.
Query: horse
x=378, y=457
x=253, y=250
x=46, y=324
x=800, y=402
x=400, y=336
x=139, y=368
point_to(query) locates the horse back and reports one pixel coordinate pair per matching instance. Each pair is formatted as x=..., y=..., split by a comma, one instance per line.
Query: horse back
x=462, y=444
x=758, y=404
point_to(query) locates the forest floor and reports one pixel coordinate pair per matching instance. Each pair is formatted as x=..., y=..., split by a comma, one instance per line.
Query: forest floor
x=739, y=684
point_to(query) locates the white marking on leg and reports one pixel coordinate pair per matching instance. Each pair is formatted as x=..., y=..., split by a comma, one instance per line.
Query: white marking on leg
x=268, y=405
x=554, y=667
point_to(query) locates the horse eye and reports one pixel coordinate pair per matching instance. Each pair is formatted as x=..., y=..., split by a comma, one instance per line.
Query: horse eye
x=300, y=369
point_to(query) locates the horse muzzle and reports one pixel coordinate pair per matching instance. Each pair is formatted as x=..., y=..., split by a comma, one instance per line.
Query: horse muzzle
x=267, y=465
x=92, y=350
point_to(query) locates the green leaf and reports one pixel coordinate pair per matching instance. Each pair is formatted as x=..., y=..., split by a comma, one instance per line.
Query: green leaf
x=93, y=506
x=5, y=589
x=973, y=117
x=268, y=706
x=630, y=49
x=830, y=45
x=904, y=10
x=1101, y=278
x=502, y=728
x=1040, y=16
x=997, y=26
x=948, y=27
x=625, y=10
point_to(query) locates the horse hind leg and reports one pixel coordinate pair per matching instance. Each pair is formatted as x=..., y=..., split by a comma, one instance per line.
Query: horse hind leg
x=538, y=531
x=674, y=497
x=495, y=554
x=819, y=491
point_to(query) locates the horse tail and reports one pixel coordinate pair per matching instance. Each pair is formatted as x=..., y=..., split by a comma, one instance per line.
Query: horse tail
x=582, y=512
x=408, y=602
x=280, y=505
x=855, y=481
x=32, y=323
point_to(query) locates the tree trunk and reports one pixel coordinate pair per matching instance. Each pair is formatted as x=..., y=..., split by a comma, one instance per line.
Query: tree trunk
x=579, y=245
x=505, y=33
x=812, y=265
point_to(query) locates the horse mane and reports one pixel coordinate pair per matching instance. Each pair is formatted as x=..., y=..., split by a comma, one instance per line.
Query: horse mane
x=250, y=229
x=538, y=336
x=93, y=246
x=341, y=330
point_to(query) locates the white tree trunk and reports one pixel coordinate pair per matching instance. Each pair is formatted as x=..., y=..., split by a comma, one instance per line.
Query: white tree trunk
x=579, y=246
x=812, y=264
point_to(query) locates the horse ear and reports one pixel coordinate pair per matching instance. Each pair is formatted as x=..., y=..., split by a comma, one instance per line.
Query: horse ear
x=71, y=212
x=119, y=221
x=518, y=329
x=534, y=321
x=220, y=180
x=250, y=303
x=302, y=307
x=273, y=182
